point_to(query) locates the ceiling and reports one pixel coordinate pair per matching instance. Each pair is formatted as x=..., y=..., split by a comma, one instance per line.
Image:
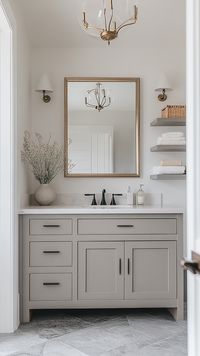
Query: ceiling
x=55, y=23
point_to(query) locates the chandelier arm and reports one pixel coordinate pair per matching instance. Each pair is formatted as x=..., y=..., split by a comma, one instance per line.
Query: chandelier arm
x=94, y=28
x=103, y=101
x=127, y=21
x=125, y=25
x=132, y=18
x=90, y=105
x=112, y=12
x=105, y=19
x=85, y=23
x=97, y=98
x=105, y=106
x=88, y=26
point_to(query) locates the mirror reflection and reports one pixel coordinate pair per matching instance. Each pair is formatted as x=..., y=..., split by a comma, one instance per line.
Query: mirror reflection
x=102, y=127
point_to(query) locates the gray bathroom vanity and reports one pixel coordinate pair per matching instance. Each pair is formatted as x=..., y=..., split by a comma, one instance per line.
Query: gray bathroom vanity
x=101, y=258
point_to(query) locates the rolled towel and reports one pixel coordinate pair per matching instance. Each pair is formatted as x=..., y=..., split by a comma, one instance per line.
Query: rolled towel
x=171, y=162
x=169, y=170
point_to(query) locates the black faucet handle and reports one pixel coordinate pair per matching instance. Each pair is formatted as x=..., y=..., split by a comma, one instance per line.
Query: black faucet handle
x=94, y=202
x=113, y=202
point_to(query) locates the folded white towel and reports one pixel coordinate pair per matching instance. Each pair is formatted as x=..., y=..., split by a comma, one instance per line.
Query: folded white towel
x=178, y=139
x=171, y=162
x=172, y=138
x=173, y=134
x=169, y=170
x=161, y=141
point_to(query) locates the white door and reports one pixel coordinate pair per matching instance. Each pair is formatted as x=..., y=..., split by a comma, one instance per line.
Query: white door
x=91, y=149
x=193, y=169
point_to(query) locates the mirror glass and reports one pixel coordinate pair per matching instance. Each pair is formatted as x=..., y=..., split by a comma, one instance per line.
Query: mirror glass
x=102, y=127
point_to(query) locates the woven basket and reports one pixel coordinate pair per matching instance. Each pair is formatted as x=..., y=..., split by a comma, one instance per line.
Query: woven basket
x=174, y=111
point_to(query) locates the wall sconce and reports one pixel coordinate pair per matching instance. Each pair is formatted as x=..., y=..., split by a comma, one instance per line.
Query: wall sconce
x=163, y=86
x=44, y=86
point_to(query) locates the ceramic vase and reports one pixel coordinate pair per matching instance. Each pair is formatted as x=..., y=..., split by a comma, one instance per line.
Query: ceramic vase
x=45, y=195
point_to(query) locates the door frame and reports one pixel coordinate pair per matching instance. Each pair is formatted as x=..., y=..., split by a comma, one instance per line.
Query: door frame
x=193, y=168
x=9, y=297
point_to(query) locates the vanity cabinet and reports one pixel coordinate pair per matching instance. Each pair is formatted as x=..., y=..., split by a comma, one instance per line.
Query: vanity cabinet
x=101, y=261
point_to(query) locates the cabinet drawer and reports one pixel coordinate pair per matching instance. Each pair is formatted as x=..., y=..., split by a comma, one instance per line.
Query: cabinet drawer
x=50, y=254
x=126, y=226
x=51, y=287
x=50, y=227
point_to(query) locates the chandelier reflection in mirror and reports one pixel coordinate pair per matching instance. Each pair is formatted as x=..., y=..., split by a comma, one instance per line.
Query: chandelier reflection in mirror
x=105, y=18
x=97, y=98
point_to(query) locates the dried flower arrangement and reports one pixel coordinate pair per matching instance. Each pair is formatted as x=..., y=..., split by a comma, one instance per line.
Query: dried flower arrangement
x=45, y=160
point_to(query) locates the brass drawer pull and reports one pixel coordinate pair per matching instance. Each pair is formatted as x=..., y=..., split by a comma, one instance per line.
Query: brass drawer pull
x=51, y=225
x=125, y=225
x=51, y=284
x=51, y=252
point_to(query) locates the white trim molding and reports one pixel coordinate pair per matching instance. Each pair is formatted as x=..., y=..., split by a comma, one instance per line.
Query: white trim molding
x=193, y=168
x=9, y=311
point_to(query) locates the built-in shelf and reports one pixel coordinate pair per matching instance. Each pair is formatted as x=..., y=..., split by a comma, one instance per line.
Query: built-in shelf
x=168, y=176
x=168, y=148
x=168, y=122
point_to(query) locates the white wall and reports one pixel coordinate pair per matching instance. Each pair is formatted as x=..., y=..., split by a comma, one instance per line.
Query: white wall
x=23, y=96
x=139, y=62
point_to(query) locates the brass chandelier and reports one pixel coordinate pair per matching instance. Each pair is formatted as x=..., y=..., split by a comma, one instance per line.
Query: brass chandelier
x=108, y=22
x=97, y=98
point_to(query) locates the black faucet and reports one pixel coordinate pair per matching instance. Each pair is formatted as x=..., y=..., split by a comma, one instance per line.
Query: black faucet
x=103, y=200
x=94, y=202
x=113, y=202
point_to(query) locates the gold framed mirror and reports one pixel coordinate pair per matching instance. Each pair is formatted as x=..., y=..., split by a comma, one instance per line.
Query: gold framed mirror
x=102, y=127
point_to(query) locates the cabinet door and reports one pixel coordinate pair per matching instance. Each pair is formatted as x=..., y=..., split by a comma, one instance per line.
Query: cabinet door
x=150, y=270
x=100, y=270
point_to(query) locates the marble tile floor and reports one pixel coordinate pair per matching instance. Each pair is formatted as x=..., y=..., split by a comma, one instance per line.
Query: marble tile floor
x=132, y=332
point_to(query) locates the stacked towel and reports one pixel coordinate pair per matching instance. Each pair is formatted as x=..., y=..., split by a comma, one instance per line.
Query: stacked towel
x=168, y=170
x=172, y=138
x=171, y=162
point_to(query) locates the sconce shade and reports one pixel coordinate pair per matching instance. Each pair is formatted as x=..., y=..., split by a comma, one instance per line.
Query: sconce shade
x=44, y=85
x=163, y=83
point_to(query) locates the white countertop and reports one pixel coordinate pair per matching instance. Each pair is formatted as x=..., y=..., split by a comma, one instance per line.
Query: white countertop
x=77, y=210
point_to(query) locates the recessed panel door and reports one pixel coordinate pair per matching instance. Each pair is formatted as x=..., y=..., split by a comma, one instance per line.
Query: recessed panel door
x=150, y=270
x=100, y=270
